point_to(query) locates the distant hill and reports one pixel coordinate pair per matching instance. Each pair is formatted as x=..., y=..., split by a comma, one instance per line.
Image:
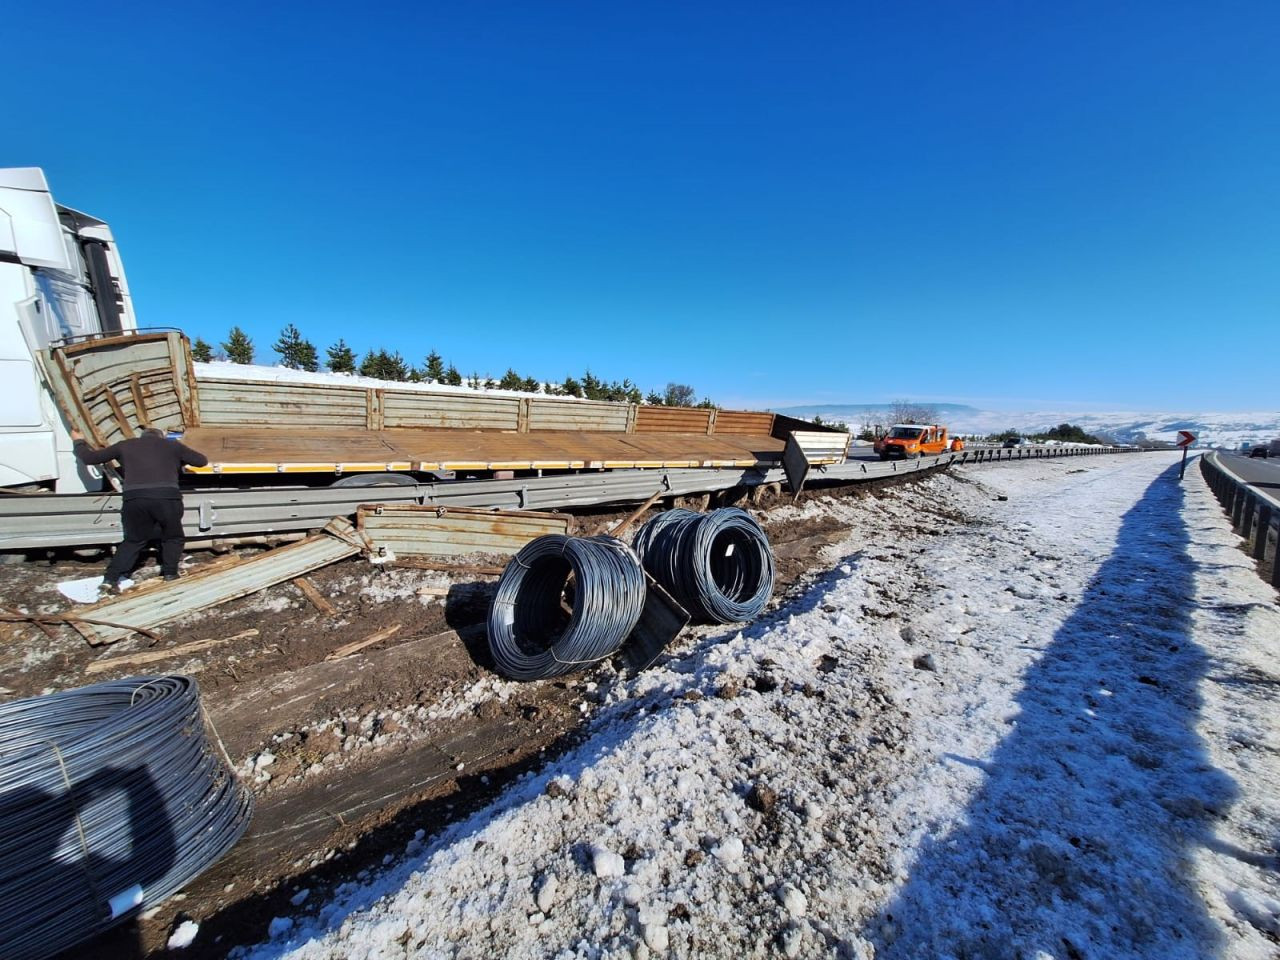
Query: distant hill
x=1211, y=429
x=849, y=412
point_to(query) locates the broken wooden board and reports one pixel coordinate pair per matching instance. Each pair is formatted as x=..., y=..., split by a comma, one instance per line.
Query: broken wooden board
x=169, y=653
x=160, y=601
x=411, y=530
x=661, y=620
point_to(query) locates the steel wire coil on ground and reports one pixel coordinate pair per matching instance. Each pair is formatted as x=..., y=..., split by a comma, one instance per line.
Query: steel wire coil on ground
x=718, y=565
x=111, y=799
x=562, y=603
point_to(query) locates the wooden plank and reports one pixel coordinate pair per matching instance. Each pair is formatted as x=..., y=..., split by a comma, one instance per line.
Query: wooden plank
x=312, y=593
x=348, y=649
x=155, y=656
x=637, y=513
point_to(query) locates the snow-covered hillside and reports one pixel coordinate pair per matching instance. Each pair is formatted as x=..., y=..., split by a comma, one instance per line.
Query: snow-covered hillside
x=1211, y=429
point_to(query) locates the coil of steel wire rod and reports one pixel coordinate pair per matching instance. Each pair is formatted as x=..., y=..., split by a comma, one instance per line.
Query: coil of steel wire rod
x=111, y=799
x=717, y=565
x=562, y=603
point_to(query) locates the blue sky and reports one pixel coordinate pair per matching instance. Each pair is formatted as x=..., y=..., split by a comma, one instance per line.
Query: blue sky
x=1021, y=205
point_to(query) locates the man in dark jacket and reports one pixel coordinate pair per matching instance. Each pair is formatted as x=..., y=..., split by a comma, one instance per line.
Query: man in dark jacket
x=152, y=507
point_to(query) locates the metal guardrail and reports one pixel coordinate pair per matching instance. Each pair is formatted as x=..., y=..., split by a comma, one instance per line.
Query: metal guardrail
x=1254, y=513
x=85, y=520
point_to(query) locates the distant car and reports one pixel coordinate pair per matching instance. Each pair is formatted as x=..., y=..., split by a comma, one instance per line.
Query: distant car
x=1017, y=442
x=1258, y=451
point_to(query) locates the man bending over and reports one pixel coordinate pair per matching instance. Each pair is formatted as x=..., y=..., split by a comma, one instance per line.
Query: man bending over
x=152, y=509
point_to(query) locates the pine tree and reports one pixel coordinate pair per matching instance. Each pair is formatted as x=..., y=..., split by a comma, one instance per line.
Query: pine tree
x=342, y=359
x=201, y=351
x=571, y=387
x=474, y=381
x=531, y=385
x=510, y=380
x=435, y=367
x=307, y=359
x=381, y=365
x=592, y=388
x=290, y=346
x=397, y=369
x=371, y=364
x=452, y=377
x=238, y=347
x=655, y=399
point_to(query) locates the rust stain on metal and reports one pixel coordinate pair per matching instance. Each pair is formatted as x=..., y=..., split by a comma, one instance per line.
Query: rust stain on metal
x=412, y=530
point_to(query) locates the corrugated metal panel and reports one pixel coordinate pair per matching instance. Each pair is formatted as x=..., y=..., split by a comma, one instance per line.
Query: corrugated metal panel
x=672, y=420
x=225, y=403
x=110, y=386
x=414, y=408
x=545, y=414
x=745, y=422
x=823, y=447
x=149, y=606
x=449, y=531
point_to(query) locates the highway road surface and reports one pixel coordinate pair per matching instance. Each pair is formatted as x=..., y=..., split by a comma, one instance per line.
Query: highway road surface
x=1264, y=475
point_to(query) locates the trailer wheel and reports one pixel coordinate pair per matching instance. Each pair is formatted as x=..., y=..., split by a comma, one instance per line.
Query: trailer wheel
x=375, y=480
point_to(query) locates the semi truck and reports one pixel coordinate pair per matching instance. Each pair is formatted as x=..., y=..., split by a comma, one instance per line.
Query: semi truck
x=61, y=280
x=73, y=356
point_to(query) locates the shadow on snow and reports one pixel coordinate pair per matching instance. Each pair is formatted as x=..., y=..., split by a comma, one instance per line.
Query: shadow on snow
x=1079, y=842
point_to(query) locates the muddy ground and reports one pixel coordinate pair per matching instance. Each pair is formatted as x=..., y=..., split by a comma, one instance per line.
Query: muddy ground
x=347, y=757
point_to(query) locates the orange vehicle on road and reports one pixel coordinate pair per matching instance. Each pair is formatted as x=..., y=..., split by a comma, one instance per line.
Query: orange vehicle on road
x=913, y=440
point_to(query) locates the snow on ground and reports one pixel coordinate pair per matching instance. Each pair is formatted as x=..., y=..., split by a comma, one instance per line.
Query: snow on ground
x=1040, y=727
x=265, y=374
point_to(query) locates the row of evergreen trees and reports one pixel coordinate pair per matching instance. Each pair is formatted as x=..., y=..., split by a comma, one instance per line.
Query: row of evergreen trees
x=298, y=353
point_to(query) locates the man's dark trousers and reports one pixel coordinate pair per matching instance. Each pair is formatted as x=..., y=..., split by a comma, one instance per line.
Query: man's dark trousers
x=147, y=518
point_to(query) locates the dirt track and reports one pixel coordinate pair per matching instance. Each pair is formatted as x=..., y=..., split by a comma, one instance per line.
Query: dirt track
x=345, y=755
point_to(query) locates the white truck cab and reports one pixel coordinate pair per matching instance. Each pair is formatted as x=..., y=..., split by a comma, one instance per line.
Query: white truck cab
x=60, y=279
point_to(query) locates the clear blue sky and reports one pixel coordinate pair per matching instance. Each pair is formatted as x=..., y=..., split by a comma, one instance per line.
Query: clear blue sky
x=808, y=203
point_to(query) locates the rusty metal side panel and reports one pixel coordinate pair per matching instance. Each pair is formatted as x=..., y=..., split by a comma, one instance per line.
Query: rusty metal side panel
x=408, y=530
x=109, y=387
x=673, y=419
x=418, y=408
x=744, y=423
x=255, y=403
x=561, y=414
x=149, y=606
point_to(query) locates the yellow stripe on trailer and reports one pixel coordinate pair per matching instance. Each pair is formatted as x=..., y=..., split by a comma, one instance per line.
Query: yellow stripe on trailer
x=308, y=467
x=361, y=467
x=245, y=467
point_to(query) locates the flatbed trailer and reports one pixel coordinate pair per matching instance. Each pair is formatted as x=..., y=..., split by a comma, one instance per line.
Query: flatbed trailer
x=111, y=386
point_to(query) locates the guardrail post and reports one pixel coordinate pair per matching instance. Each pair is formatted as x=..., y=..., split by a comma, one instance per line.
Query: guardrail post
x=1261, y=531
x=1237, y=507
x=1275, y=561
x=1246, y=514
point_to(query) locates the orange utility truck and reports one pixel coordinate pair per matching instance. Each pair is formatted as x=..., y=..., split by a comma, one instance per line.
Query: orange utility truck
x=913, y=440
